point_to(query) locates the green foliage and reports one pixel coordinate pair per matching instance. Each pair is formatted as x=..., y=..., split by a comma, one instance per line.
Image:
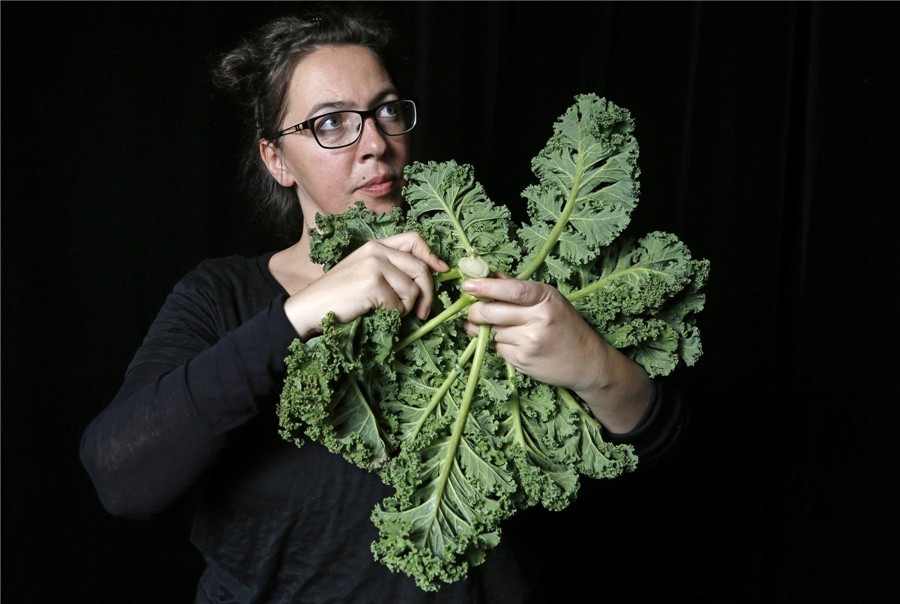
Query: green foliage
x=463, y=438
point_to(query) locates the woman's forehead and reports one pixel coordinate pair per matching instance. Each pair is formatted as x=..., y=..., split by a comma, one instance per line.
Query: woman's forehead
x=333, y=78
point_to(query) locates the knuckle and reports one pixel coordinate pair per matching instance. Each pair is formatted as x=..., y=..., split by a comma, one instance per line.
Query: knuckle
x=370, y=268
x=519, y=290
x=370, y=245
x=483, y=312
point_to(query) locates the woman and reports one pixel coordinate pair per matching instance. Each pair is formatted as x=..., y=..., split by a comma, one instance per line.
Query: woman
x=196, y=417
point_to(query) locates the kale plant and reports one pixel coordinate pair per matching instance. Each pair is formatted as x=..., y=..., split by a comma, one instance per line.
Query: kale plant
x=462, y=437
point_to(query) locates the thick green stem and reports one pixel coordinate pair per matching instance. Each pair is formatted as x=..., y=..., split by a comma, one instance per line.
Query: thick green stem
x=449, y=275
x=484, y=334
x=560, y=225
x=445, y=386
x=457, y=307
x=602, y=282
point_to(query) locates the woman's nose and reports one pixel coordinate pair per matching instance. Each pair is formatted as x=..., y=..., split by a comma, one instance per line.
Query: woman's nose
x=371, y=139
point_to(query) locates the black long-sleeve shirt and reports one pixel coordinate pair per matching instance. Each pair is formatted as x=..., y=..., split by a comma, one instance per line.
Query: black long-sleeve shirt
x=196, y=417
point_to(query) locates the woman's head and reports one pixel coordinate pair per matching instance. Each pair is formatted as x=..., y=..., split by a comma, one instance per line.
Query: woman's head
x=297, y=68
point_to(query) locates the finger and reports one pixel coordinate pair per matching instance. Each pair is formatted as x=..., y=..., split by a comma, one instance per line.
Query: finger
x=415, y=279
x=413, y=243
x=497, y=314
x=414, y=293
x=505, y=289
x=385, y=263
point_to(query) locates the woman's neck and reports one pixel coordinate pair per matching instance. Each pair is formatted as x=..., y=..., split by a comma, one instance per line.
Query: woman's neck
x=292, y=267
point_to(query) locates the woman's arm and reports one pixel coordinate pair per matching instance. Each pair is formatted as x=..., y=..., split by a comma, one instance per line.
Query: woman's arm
x=186, y=390
x=539, y=332
x=203, y=369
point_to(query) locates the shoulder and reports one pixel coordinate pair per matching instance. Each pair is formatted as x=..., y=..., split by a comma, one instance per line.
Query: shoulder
x=227, y=290
x=235, y=272
x=233, y=267
x=217, y=296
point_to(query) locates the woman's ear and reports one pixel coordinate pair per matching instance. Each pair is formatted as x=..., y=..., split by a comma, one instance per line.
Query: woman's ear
x=274, y=160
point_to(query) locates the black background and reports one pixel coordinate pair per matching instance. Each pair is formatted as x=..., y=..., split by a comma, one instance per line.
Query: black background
x=768, y=137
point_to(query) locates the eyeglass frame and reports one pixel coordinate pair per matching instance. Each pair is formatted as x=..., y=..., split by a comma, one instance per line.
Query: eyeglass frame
x=363, y=114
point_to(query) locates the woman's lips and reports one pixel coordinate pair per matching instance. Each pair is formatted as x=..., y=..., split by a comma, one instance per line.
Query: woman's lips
x=377, y=188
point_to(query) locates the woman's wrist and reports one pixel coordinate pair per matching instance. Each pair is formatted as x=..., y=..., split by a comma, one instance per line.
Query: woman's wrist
x=621, y=393
x=300, y=317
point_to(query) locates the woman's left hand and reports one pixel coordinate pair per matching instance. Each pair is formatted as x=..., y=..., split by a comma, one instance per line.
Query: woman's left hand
x=542, y=335
x=537, y=330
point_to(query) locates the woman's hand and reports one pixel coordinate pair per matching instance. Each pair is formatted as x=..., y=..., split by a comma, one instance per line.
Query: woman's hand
x=393, y=273
x=542, y=335
x=537, y=330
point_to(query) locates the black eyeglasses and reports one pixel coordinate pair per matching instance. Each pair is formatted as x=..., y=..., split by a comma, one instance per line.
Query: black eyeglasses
x=343, y=128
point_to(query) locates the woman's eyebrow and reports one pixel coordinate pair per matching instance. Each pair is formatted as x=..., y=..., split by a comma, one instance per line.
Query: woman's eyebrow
x=338, y=105
x=327, y=107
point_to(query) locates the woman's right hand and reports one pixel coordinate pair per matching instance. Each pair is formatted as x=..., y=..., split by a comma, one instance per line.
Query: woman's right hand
x=393, y=273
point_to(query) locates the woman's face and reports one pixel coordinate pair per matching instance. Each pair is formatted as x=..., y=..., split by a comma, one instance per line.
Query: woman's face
x=328, y=181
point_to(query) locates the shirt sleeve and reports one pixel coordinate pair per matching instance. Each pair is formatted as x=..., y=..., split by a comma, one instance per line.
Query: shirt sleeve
x=190, y=386
x=661, y=427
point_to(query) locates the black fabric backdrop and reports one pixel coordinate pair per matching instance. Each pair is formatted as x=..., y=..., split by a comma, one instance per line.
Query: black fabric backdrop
x=768, y=137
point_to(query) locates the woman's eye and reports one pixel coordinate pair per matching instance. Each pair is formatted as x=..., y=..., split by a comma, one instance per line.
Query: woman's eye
x=331, y=122
x=389, y=111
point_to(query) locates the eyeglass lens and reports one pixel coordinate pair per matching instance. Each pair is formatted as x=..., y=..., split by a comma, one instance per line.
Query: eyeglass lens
x=344, y=127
